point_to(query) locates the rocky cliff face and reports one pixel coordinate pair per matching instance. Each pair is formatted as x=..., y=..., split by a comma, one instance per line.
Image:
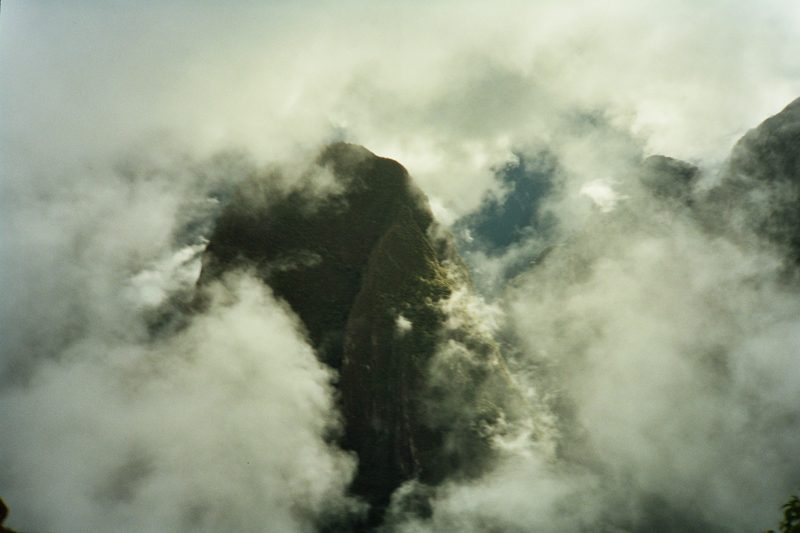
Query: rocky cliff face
x=368, y=271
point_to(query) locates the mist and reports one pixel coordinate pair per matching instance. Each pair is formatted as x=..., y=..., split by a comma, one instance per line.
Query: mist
x=660, y=356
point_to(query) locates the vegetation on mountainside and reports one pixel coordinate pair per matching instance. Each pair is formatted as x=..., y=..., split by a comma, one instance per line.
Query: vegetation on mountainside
x=791, y=516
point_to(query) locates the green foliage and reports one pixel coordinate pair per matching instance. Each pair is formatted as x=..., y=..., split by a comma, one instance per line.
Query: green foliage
x=791, y=516
x=404, y=268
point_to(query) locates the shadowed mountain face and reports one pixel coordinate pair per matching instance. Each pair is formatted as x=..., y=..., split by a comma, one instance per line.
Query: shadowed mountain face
x=759, y=190
x=667, y=178
x=367, y=270
x=313, y=248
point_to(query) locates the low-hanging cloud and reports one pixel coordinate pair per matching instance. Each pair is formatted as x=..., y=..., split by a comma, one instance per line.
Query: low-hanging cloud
x=666, y=354
x=225, y=425
x=121, y=411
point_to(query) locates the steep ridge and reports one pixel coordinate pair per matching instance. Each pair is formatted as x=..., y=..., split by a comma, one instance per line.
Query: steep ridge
x=311, y=248
x=368, y=271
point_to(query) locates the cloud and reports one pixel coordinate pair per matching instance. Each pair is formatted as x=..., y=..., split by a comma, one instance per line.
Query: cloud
x=669, y=347
x=449, y=89
x=225, y=425
x=664, y=356
x=123, y=413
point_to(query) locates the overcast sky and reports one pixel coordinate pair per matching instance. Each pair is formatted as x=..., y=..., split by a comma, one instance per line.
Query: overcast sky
x=448, y=88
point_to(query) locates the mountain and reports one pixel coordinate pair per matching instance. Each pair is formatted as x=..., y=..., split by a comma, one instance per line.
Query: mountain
x=376, y=283
x=758, y=194
x=667, y=178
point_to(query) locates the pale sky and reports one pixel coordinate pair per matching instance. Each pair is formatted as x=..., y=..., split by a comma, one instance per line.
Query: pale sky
x=447, y=88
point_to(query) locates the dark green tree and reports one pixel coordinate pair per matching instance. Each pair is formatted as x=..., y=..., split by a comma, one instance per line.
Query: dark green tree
x=791, y=516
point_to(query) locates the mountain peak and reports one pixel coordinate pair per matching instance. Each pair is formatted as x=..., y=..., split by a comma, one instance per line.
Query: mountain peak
x=353, y=264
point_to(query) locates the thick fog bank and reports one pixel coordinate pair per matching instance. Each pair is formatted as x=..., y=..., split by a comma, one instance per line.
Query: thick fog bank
x=656, y=314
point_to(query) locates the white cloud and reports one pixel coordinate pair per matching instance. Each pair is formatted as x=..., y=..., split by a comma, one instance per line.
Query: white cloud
x=222, y=426
x=670, y=346
x=601, y=194
x=446, y=88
